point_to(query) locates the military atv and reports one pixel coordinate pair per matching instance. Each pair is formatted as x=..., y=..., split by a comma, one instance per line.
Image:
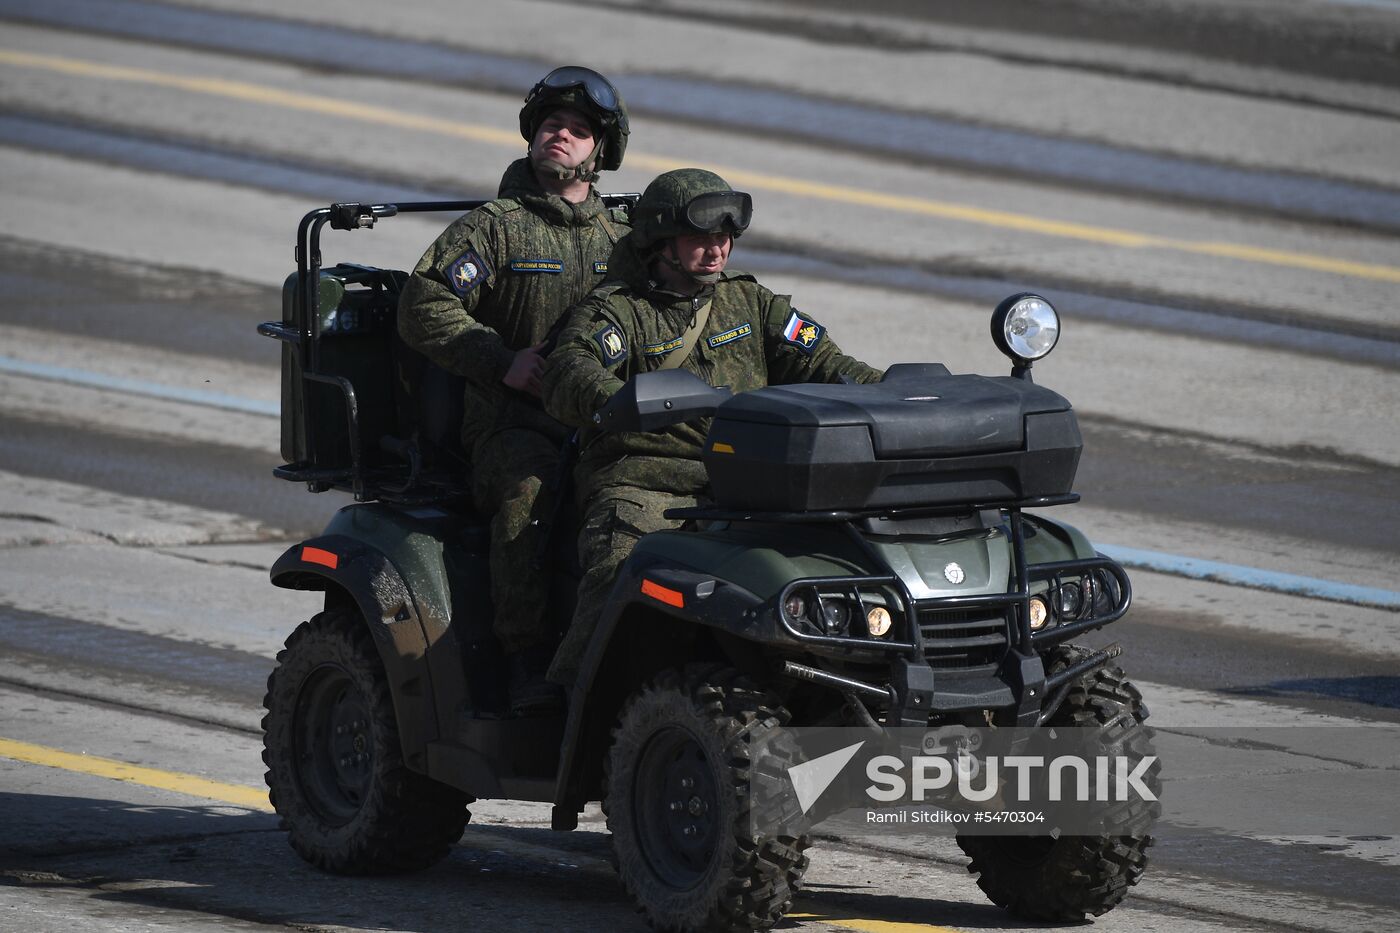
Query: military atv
x=868, y=560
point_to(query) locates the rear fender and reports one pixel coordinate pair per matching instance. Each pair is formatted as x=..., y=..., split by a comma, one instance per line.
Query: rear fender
x=365, y=576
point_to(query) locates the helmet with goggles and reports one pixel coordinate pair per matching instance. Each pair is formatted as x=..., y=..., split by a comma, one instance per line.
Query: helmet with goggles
x=688, y=200
x=591, y=94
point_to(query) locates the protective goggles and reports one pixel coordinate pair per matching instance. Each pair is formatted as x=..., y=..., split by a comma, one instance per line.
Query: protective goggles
x=597, y=87
x=716, y=210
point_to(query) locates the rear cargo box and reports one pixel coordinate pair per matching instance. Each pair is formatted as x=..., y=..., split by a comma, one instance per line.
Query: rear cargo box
x=913, y=440
x=356, y=308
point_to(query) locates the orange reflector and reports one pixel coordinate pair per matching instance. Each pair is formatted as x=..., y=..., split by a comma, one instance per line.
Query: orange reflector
x=314, y=555
x=721, y=448
x=661, y=594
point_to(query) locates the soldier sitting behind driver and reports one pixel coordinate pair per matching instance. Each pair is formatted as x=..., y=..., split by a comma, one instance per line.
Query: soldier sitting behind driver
x=481, y=303
x=672, y=303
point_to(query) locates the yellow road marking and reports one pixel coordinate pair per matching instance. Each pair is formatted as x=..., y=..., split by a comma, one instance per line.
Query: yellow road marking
x=949, y=211
x=189, y=784
x=899, y=203
x=256, y=799
x=1056, y=228
x=873, y=926
x=259, y=94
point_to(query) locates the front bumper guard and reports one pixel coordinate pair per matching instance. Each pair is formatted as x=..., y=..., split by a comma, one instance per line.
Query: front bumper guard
x=910, y=692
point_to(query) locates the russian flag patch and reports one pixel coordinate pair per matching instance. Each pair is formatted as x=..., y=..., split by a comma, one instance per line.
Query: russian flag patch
x=802, y=333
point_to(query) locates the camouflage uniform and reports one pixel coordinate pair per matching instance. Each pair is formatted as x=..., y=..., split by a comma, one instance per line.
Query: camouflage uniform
x=496, y=281
x=753, y=338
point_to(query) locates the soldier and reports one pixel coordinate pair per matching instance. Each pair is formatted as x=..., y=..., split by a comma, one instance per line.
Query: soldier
x=671, y=303
x=482, y=302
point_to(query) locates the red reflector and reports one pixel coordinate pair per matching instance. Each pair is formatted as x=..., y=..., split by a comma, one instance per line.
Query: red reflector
x=661, y=594
x=314, y=555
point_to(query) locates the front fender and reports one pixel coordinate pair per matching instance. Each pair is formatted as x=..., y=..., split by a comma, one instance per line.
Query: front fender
x=656, y=618
x=683, y=597
x=1052, y=541
x=721, y=581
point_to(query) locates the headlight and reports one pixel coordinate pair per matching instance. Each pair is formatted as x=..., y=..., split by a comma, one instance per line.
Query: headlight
x=837, y=613
x=1040, y=614
x=795, y=607
x=1025, y=327
x=1071, y=600
x=1103, y=592
x=825, y=609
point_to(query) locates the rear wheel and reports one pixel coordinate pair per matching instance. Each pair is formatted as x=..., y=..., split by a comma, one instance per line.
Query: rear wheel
x=335, y=769
x=680, y=804
x=1066, y=878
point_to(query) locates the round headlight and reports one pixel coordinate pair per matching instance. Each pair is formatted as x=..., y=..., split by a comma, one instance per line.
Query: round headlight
x=837, y=614
x=1071, y=599
x=878, y=621
x=1040, y=614
x=1025, y=327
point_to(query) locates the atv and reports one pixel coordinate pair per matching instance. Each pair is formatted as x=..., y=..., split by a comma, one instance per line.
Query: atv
x=868, y=560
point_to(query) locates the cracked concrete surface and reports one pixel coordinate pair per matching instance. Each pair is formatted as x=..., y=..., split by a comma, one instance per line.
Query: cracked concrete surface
x=36, y=511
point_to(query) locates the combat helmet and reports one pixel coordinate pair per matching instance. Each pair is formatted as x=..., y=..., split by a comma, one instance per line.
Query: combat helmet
x=688, y=200
x=593, y=95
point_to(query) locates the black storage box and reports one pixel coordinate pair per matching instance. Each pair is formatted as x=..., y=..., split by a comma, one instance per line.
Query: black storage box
x=921, y=437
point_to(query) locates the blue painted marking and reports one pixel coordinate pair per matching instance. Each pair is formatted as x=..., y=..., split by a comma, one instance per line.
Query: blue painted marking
x=1238, y=575
x=138, y=387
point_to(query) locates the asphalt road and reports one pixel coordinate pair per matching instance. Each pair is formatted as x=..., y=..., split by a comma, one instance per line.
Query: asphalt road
x=1205, y=189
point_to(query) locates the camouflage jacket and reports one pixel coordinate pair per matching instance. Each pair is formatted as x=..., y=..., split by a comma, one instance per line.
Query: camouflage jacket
x=498, y=279
x=753, y=338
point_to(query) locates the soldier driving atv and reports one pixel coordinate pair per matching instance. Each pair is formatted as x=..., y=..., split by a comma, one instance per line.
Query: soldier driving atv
x=673, y=304
x=864, y=558
x=481, y=303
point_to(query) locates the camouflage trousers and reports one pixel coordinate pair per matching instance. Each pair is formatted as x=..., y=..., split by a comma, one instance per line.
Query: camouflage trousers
x=512, y=472
x=614, y=520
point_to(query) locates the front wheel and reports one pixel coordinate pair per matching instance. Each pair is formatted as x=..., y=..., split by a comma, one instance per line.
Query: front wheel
x=335, y=769
x=1067, y=877
x=680, y=799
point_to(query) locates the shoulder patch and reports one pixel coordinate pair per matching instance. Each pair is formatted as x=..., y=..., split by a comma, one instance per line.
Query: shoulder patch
x=802, y=333
x=611, y=343
x=467, y=273
x=600, y=268
x=553, y=266
x=729, y=336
